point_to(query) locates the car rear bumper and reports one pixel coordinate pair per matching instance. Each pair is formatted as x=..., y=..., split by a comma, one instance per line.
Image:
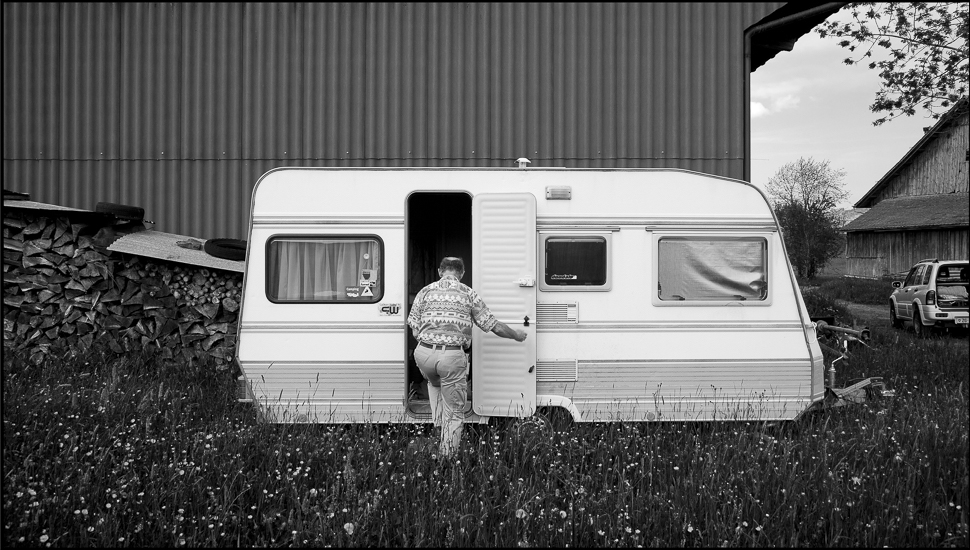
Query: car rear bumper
x=946, y=319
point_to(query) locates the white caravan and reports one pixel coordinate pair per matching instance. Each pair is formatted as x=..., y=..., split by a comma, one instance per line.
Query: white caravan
x=647, y=295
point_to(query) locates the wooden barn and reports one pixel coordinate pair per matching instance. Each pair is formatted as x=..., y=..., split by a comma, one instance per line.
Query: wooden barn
x=920, y=208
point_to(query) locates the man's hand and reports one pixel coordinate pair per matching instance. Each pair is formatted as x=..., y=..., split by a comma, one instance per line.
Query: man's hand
x=505, y=331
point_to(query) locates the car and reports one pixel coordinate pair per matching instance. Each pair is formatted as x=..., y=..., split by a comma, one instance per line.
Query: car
x=934, y=295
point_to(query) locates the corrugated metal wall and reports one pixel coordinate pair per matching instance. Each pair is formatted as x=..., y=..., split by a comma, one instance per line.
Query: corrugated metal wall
x=179, y=108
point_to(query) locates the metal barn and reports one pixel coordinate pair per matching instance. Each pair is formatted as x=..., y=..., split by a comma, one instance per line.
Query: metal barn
x=180, y=107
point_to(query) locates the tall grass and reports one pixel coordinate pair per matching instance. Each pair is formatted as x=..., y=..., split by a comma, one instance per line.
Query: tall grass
x=101, y=450
x=860, y=291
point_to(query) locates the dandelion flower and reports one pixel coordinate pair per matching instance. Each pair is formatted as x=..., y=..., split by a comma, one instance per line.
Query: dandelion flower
x=563, y=514
x=349, y=527
x=43, y=538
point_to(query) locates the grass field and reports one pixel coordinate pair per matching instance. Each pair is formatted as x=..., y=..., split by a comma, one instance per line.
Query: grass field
x=106, y=450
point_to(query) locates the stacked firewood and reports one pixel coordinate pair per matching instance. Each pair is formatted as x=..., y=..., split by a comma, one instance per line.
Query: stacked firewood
x=63, y=292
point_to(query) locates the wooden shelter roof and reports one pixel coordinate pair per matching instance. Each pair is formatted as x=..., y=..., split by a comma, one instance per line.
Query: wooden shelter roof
x=915, y=212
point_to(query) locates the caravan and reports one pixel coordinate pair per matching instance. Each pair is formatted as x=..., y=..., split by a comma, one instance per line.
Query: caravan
x=647, y=295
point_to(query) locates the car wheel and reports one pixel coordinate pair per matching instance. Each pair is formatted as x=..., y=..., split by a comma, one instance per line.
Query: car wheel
x=918, y=327
x=893, y=320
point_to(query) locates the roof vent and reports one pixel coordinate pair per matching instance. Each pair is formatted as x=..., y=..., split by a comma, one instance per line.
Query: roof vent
x=522, y=162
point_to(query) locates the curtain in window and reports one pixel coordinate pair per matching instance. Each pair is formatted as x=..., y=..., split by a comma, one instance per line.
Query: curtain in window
x=729, y=269
x=320, y=270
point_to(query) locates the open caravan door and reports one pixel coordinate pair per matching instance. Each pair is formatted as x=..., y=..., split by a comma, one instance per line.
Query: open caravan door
x=504, y=261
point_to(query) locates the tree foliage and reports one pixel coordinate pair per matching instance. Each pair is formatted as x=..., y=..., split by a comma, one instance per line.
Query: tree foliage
x=805, y=195
x=925, y=47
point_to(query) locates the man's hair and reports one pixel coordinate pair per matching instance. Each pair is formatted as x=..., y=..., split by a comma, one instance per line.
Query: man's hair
x=452, y=263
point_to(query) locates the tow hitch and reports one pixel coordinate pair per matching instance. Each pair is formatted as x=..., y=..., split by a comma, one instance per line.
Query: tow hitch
x=838, y=340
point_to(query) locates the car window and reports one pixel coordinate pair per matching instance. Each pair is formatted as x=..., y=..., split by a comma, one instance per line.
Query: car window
x=951, y=282
x=926, y=275
x=953, y=273
x=951, y=291
x=914, y=275
x=909, y=277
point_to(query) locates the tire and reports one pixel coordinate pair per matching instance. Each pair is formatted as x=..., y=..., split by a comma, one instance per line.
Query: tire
x=558, y=418
x=918, y=328
x=122, y=211
x=227, y=249
x=893, y=320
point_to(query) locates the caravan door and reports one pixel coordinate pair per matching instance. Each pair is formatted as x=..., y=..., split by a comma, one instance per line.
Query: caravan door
x=504, y=260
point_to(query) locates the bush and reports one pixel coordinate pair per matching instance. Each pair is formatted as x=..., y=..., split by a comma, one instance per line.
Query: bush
x=821, y=304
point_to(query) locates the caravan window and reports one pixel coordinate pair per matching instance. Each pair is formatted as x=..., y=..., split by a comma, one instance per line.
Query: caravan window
x=712, y=269
x=325, y=269
x=576, y=262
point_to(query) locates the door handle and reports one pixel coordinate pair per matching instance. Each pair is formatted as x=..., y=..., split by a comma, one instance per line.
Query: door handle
x=525, y=281
x=526, y=322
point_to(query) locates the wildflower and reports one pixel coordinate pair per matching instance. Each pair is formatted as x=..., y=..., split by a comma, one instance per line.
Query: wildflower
x=562, y=513
x=43, y=538
x=856, y=480
x=520, y=513
x=349, y=527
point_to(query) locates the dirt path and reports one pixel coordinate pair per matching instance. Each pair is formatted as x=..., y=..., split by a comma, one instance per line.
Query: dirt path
x=878, y=317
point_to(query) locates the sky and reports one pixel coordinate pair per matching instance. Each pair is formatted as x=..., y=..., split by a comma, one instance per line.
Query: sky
x=808, y=103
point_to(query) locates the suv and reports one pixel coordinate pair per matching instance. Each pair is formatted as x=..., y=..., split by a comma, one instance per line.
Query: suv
x=934, y=294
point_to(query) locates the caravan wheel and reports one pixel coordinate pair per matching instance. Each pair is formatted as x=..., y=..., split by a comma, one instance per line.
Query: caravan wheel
x=558, y=418
x=533, y=428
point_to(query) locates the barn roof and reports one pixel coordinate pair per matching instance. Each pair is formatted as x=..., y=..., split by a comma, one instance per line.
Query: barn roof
x=929, y=137
x=779, y=31
x=915, y=212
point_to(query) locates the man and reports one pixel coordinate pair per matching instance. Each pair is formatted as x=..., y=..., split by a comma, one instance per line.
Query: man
x=441, y=320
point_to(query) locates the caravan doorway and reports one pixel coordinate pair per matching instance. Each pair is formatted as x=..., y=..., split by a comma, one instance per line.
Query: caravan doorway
x=437, y=224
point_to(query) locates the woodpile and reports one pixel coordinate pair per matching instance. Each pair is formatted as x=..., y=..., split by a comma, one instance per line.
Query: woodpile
x=63, y=291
